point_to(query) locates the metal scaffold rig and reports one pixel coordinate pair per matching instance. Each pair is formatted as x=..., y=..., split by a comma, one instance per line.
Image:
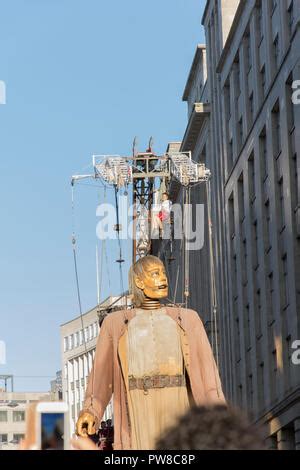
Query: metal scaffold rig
x=144, y=170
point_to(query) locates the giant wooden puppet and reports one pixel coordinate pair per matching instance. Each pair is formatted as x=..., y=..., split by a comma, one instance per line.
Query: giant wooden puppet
x=155, y=360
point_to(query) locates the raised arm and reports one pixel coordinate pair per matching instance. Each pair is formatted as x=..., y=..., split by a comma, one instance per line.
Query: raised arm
x=100, y=384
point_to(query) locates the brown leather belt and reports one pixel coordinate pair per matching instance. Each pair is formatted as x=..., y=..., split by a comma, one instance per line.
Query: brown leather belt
x=156, y=381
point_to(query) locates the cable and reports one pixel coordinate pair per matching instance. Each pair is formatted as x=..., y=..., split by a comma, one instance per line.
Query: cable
x=120, y=261
x=78, y=287
x=33, y=376
x=105, y=253
x=99, y=273
x=78, y=294
x=212, y=276
x=186, y=258
x=177, y=274
x=103, y=185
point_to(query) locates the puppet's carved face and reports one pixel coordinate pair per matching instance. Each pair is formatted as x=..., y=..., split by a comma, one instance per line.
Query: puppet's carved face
x=154, y=282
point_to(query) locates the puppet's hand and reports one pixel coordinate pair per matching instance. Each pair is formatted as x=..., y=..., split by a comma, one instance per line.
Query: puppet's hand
x=86, y=424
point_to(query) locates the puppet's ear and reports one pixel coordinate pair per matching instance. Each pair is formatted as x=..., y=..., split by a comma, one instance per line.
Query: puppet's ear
x=139, y=283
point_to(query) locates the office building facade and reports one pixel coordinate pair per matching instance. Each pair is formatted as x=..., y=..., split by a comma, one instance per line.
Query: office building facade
x=246, y=128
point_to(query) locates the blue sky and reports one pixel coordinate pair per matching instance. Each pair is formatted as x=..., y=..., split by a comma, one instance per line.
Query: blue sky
x=82, y=77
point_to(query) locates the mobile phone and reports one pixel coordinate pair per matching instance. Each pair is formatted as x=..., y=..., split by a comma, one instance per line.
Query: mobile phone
x=52, y=426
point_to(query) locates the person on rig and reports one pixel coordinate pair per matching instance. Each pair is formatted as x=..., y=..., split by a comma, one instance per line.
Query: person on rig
x=165, y=216
x=155, y=360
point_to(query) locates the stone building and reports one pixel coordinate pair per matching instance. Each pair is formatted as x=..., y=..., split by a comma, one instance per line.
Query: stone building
x=78, y=345
x=13, y=416
x=245, y=126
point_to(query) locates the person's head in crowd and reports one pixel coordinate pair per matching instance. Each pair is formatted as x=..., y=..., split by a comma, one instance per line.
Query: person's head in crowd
x=165, y=196
x=108, y=423
x=103, y=424
x=212, y=428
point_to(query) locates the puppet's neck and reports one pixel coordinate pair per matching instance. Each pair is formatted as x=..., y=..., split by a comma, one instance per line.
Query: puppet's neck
x=150, y=304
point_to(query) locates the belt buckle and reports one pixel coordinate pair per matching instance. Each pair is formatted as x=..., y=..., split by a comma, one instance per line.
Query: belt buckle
x=146, y=384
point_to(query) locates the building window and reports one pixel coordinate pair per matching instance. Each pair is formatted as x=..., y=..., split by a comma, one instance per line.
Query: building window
x=3, y=416
x=263, y=80
x=86, y=334
x=274, y=360
x=285, y=286
x=227, y=100
x=18, y=416
x=231, y=216
x=240, y=133
x=258, y=314
x=65, y=344
x=261, y=385
x=276, y=52
x=260, y=26
x=230, y=154
x=3, y=438
x=267, y=217
x=271, y=293
x=247, y=51
x=95, y=330
x=237, y=76
x=281, y=204
x=251, y=108
x=274, y=374
x=290, y=104
x=276, y=128
x=251, y=177
x=91, y=332
x=71, y=342
x=237, y=338
x=294, y=180
x=244, y=263
x=234, y=278
x=255, y=245
x=291, y=17
x=292, y=141
x=80, y=337
x=247, y=327
x=250, y=391
x=18, y=437
x=241, y=197
x=263, y=154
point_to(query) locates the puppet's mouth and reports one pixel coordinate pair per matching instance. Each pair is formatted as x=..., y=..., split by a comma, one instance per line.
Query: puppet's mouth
x=163, y=286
